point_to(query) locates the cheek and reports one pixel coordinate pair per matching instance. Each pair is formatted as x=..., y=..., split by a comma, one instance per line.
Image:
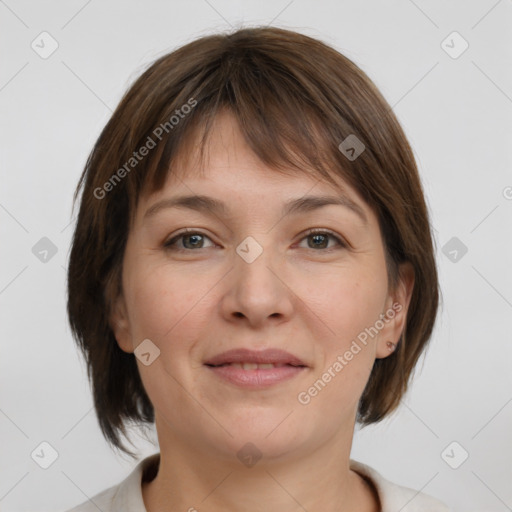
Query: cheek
x=347, y=306
x=347, y=302
x=165, y=307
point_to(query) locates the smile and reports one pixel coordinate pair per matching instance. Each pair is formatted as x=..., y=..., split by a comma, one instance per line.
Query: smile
x=254, y=366
x=255, y=375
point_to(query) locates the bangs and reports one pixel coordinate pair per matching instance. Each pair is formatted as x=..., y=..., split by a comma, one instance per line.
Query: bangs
x=289, y=123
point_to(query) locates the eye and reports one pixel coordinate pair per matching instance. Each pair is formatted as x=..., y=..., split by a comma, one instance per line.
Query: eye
x=320, y=239
x=191, y=240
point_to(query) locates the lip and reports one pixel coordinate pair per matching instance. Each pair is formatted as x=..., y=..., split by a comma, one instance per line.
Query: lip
x=243, y=355
x=290, y=366
x=256, y=379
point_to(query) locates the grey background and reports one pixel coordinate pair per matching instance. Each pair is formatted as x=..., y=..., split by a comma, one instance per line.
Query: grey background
x=456, y=113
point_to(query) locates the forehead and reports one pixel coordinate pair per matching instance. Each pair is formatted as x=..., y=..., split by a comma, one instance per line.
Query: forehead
x=225, y=161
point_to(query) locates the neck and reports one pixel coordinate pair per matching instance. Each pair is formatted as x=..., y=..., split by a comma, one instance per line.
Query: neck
x=190, y=480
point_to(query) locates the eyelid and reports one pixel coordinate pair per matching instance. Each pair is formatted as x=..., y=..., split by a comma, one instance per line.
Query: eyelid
x=187, y=231
x=341, y=241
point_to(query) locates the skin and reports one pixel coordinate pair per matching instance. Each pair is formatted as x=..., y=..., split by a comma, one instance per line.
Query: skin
x=205, y=299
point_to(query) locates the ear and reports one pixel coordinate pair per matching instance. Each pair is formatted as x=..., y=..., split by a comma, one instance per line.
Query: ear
x=395, y=311
x=120, y=325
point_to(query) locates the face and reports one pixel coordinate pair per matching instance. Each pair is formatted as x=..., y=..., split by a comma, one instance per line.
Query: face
x=251, y=277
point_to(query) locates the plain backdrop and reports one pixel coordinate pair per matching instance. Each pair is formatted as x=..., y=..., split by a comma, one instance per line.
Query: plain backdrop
x=455, y=105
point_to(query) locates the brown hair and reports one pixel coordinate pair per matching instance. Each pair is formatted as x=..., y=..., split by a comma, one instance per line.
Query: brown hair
x=295, y=99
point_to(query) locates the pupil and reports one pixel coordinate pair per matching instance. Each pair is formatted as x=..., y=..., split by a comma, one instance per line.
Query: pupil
x=316, y=237
x=197, y=237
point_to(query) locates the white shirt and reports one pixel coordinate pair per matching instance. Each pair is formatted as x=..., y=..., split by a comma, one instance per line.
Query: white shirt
x=127, y=495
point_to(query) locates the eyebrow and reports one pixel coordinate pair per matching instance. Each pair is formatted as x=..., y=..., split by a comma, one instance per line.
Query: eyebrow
x=209, y=205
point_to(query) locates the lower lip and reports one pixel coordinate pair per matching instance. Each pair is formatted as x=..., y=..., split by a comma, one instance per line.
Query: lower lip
x=256, y=379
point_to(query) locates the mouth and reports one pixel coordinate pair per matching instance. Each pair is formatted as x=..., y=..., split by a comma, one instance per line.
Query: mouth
x=255, y=369
x=255, y=366
x=243, y=356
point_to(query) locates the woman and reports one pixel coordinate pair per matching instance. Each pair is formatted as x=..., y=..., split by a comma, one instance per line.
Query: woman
x=252, y=270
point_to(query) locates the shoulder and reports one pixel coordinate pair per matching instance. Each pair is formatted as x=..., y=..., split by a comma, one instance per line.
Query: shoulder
x=123, y=497
x=102, y=501
x=396, y=497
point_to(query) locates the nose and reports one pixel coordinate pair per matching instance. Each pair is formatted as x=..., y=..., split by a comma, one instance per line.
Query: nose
x=256, y=287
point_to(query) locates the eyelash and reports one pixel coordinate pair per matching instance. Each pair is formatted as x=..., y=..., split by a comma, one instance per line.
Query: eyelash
x=170, y=245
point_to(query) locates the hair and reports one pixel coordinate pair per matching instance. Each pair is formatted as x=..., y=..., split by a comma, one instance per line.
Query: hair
x=295, y=100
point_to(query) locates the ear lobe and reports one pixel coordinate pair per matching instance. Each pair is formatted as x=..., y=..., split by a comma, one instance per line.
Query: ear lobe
x=398, y=306
x=120, y=325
